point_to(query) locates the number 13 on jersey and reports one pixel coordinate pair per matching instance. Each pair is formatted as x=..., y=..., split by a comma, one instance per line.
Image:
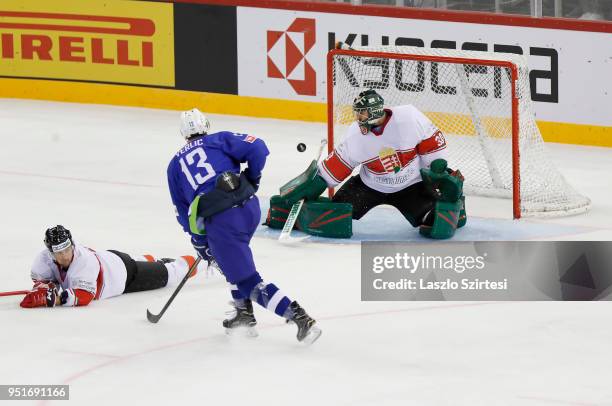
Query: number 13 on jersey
x=196, y=173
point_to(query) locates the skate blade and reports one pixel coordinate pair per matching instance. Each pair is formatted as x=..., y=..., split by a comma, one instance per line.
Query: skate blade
x=312, y=336
x=250, y=332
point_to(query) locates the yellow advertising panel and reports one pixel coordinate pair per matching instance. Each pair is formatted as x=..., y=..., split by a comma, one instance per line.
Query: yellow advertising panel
x=112, y=41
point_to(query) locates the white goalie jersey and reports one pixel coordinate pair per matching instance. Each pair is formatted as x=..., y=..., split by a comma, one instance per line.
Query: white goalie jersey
x=390, y=154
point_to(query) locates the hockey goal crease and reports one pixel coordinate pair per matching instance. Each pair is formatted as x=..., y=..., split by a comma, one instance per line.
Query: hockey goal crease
x=481, y=102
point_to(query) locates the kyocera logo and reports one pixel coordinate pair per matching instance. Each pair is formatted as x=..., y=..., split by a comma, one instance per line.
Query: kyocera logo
x=80, y=38
x=287, y=56
x=544, y=83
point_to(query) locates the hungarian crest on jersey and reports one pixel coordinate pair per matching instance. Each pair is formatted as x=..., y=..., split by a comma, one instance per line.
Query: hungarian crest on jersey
x=390, y=160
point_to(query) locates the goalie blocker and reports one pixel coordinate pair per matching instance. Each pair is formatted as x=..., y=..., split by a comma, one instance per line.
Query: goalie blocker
x=333, y=218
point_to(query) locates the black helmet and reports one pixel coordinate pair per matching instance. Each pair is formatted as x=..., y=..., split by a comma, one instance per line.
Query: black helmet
x=373, y=103
x=58, y=238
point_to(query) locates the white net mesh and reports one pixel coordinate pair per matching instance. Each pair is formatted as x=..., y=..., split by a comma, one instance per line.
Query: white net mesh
x=472, y=105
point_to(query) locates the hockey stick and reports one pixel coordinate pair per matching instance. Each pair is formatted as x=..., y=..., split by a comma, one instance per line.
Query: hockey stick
x=154, y=318
x=15, y=293
x=285, y=235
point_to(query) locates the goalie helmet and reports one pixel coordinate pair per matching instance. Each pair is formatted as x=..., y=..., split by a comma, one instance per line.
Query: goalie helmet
x=58, y=238
x=194, y=122
x=371, y=102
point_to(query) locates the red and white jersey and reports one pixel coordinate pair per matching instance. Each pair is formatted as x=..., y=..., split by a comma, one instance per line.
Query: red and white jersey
x=98, y=273
x=390, y=155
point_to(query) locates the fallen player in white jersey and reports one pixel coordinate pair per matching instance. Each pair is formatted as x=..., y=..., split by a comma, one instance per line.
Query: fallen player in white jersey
x=70, y=274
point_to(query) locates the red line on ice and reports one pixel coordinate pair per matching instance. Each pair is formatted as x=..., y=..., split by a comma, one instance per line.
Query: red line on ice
x=96, y=367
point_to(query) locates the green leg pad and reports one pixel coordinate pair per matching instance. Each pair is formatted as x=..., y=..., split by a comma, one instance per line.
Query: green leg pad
x=326, y=219
x=278, y=212
x=308, y=185
x=446, y=218
x=318, y=217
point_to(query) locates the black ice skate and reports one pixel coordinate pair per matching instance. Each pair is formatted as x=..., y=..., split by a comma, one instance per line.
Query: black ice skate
x=243, y=317
x=307, y=333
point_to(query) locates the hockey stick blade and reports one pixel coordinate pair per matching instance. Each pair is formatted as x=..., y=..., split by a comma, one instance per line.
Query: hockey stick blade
x=321, y=147
x=154, y=318
x=346, y=47
x=291, y=219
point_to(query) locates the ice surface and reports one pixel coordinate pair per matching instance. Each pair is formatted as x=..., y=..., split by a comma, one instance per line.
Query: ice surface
x=100, y=171
x=387, y=224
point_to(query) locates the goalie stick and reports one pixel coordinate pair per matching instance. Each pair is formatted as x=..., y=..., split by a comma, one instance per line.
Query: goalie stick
x=154, y=318
x=285, y=235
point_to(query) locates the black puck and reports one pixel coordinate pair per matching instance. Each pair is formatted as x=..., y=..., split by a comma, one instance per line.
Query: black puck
x=301, y=147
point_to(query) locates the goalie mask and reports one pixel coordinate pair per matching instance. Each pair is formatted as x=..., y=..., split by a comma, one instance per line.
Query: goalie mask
x=58, y=239
x=193, y=122
x=368, y=109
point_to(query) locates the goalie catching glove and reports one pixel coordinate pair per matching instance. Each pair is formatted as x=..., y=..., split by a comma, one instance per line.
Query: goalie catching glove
x=446, y=186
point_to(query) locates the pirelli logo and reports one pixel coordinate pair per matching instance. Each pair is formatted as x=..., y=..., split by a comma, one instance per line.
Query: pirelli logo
x=125, y=48
x=71, y=47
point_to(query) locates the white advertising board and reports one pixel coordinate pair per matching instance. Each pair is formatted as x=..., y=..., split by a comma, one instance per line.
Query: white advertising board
x=281, y=55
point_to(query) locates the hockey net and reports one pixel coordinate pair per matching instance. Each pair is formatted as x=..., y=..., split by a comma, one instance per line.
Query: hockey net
x=481, y=102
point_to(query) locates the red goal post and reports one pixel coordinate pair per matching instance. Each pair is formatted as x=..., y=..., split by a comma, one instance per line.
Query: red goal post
x=468, y=97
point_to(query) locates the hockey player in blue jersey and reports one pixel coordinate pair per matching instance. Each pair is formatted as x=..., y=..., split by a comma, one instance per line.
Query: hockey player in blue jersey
x=216, y=204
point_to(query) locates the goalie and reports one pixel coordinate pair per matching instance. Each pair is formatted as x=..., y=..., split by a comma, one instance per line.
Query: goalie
x=403, y=164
